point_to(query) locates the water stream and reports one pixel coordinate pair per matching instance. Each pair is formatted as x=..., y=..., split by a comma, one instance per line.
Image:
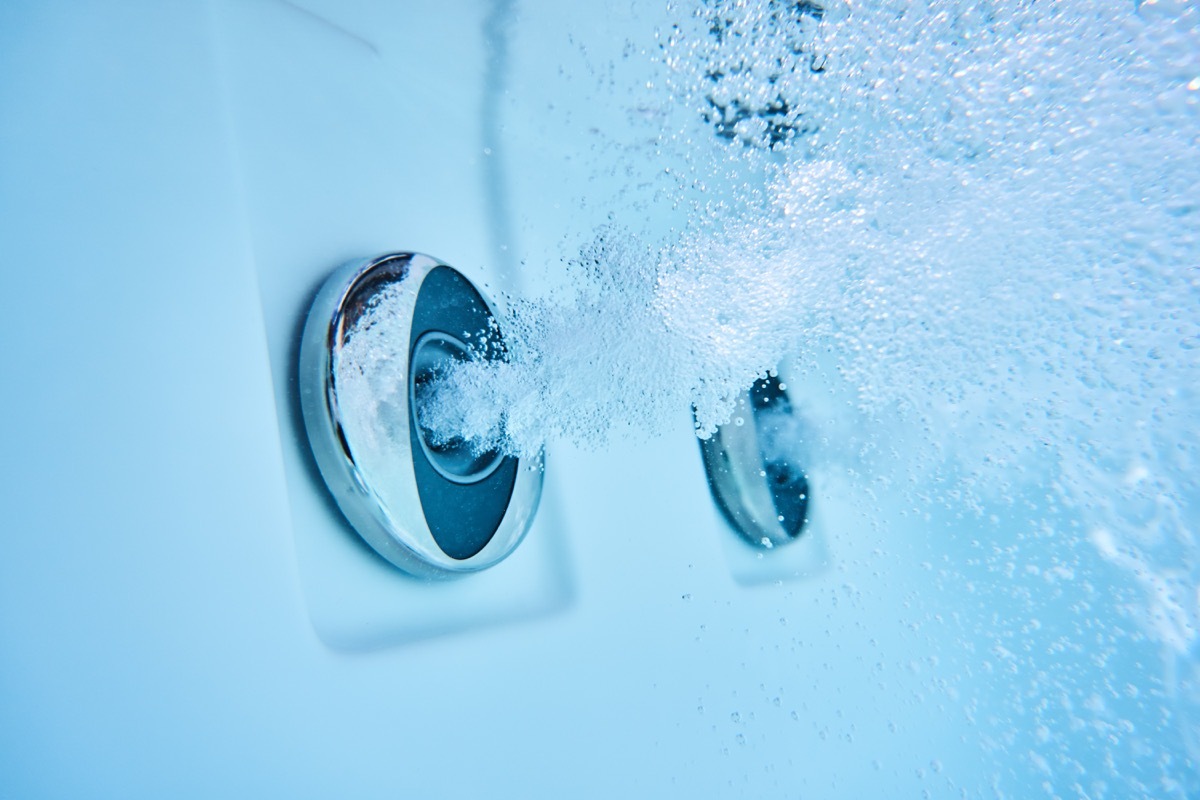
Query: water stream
x=981, y=222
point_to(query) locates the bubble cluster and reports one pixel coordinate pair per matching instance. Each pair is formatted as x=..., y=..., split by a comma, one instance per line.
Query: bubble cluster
x=980, y=219
x=988, y=220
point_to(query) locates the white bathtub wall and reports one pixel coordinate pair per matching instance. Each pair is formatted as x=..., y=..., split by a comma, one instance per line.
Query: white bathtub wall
x=149, y=615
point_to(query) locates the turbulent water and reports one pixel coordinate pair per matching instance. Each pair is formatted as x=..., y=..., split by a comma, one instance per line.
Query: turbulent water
x=980, y=219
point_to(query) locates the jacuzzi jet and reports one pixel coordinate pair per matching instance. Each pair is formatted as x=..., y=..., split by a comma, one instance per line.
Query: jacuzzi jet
x=378, y=336
x=754, y=470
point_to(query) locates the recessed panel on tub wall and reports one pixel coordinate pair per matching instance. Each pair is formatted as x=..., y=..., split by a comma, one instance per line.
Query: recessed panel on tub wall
x=350, y=148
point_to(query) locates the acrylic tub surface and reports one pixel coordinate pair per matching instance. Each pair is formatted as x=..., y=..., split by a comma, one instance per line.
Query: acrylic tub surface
x=183, y=613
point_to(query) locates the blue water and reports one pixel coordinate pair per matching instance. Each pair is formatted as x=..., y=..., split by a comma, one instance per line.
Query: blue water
x=975, y=226
x=965, y=234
